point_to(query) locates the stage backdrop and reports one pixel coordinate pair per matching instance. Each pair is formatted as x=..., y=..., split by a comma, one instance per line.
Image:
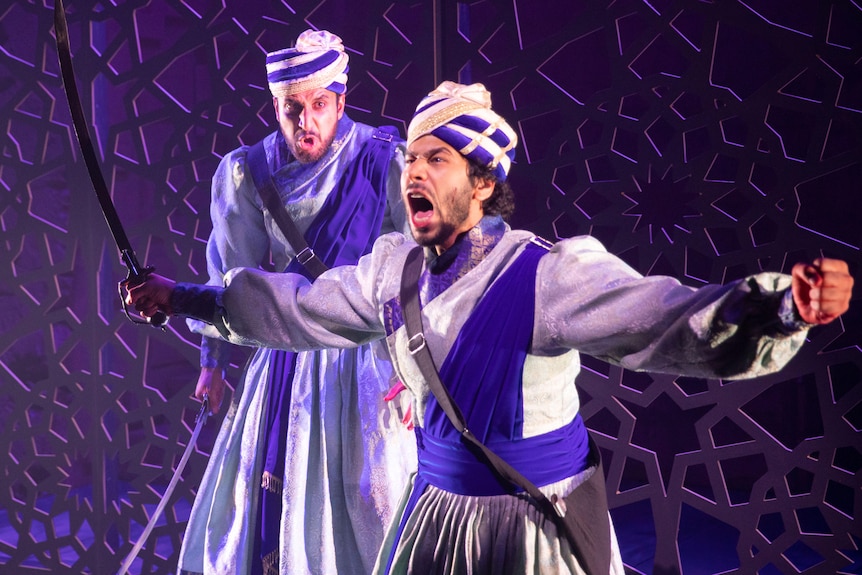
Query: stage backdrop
x=706, y=140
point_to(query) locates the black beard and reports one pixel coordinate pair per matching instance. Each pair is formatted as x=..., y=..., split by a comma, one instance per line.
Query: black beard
x=304, y=157
x=446, y=230
x=458, y=208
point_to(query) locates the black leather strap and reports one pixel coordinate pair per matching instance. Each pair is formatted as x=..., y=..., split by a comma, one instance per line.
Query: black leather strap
x=266, y=188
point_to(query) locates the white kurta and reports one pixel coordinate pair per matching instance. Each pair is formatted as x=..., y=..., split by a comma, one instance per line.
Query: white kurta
x=348, y=455
x=587, y=301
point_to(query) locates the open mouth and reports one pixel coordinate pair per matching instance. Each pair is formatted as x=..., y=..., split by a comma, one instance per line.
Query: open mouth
x=421, y=208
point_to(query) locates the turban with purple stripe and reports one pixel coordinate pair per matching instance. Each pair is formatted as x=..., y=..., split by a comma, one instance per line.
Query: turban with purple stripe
x=318, y=60
x=461, y=116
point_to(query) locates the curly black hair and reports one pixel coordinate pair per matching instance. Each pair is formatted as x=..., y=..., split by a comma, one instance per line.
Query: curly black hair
x=502, y=200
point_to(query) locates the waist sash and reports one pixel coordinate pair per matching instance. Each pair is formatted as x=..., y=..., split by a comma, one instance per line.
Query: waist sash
x=543, y=459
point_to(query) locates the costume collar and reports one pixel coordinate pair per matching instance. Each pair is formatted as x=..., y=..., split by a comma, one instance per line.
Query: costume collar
x=468, y=251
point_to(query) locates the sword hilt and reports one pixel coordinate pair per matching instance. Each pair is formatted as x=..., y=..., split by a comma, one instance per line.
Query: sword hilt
x=136, y=276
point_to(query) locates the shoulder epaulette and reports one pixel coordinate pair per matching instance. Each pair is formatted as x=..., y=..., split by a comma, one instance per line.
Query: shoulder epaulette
x=385, y=133
x=542, y=242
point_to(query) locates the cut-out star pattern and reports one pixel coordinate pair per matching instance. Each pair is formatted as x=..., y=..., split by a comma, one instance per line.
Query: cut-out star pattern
x=662, y=206
x=707, y=140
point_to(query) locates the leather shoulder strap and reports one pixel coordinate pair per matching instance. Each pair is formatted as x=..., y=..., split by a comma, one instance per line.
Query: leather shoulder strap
x=262, y=178
x=416, y=339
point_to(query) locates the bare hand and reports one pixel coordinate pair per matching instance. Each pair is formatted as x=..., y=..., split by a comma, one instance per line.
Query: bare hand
x=821, y=290
x=152, y=296
x=211, y=382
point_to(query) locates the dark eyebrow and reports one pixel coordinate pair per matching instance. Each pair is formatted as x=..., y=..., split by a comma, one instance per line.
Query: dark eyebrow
x=431, y=152
x=321, y=95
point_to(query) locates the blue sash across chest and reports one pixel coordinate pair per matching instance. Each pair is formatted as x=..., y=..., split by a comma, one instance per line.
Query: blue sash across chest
x=484, y=374
x=349, y=220
x=342, y=232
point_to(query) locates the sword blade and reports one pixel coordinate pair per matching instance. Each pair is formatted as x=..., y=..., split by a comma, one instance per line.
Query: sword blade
x=88, y=149
x=175, y=478
x=137, y=274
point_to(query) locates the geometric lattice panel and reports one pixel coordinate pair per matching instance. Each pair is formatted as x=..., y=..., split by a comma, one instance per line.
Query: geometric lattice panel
x=705, y=140
x=96, y=411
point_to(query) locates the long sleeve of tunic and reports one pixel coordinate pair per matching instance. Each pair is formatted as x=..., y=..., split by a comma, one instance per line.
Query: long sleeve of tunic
x=587, y=301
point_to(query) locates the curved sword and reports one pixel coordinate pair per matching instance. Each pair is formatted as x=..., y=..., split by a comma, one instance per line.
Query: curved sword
x=200, y=421
x=136, y=274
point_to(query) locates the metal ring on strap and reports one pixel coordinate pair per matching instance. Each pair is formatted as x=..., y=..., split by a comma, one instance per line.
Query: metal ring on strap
x=416, y=343
x=542, y=242
x=382, y=136
x=305, y=256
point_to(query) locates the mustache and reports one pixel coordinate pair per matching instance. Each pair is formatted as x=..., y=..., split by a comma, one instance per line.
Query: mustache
x=417, y=187
x=305, y=134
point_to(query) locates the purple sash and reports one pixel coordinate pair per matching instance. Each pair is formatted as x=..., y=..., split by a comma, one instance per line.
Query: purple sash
x=343, y=231
x=349, y=220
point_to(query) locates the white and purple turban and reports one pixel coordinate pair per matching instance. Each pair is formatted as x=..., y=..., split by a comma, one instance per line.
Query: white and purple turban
x=318, y=60
x=461, y=116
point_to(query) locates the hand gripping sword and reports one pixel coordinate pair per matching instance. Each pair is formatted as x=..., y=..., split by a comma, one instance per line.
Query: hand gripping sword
x=136, y=274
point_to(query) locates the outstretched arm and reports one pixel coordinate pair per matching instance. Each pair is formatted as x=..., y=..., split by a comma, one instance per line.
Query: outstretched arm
x=261, y=309
x=283, y=310
x=591, y=301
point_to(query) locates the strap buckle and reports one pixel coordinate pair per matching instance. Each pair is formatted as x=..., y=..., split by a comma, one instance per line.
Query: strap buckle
x=382, y=136
x=416, y=343
x=305, y=256
x=559, y=504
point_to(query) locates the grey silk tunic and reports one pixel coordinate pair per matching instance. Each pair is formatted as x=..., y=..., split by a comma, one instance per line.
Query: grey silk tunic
x=348, y=456
x=587, y=301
